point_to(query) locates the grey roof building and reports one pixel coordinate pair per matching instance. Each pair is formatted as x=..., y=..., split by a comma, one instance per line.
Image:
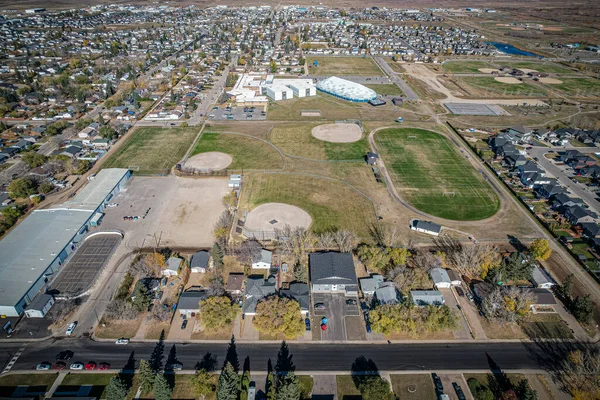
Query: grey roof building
x=427, y=297
x=298, y=291
x=387, y=294
x=199, y=261
x=426, y=227
x=189, y=302
x=257, y=288
x=370, y=284
x=440, y=278
x=332, y=272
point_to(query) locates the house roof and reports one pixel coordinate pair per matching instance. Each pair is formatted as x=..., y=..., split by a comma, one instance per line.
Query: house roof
x=298, y=291
x=386, y=293
x=235, y=282
x=426, y=225
x=453, y=275
x=439, y=275
x=191, y=300
x=266, y=256
x=543, y=297
x=200, y=259
x=539, y=276
x=257, y=288
x=426, y=296
x=371, y=283
x=173, y=263
x=332, y=268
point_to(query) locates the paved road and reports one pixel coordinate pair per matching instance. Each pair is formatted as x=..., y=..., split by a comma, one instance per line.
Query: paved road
x=559, y=173
x=306, y=357
x=408, y=92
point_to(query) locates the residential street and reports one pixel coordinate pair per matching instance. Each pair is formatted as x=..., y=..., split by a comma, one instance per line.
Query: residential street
x=408, y=92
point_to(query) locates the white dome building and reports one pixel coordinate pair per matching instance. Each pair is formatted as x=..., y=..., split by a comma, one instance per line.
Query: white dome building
x=346, y=90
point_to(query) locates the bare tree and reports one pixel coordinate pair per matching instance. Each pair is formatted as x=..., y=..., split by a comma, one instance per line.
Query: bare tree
x=295, y=242
x=120, y=309
x=216, y=286
x=469, y=259
x=327, y=241
x=160, y=314
x=62, y=308
x=345, y=240
x=507, y=304
x=249, y=251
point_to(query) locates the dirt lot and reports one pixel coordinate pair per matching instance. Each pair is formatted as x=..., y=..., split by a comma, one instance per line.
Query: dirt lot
x=175, y=216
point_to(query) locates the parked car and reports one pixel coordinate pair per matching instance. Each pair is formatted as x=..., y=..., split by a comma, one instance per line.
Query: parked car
x=439, y=387
x=351, y=302
x=319, y=306
x=184, y=324
x=460, y=292
x=90, y=366
x=459, y=391
x=76, y=366
x=470, y=296
x=43, y=366
x=59, y=365
x=174, y=366
x=307, y=323
x=103, y=366
x=122, y=341
x=71, y=328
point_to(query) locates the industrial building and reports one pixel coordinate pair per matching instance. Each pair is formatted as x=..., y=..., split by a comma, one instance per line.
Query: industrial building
x=255, y=90
x=278, y=91
x=346, y=90
x=37, y=247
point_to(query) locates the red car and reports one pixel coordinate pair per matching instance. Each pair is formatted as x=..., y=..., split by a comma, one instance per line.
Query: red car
x=59, y=365
x=103, y=366
x=90, y=366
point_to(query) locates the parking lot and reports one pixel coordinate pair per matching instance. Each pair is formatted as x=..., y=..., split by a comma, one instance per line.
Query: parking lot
x=336, y=310
x=237, y=114
x=85, y=265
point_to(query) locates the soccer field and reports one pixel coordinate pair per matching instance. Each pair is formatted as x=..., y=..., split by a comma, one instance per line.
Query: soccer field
x=153, y=150
x=428, y=171
x=342, y=66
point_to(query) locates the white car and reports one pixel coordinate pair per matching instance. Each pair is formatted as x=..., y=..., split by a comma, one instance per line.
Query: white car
x=43, y=366
x=71, y=328
x=122, y=341
x=76, y=366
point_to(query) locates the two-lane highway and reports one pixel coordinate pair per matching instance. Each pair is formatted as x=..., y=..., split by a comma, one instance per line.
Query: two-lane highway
x=306, y=357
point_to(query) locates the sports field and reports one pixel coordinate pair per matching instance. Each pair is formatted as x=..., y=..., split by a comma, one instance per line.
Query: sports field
x=428, y=171
x=581, y=87
x=465, y=66
x=342, y=66
x=297, y=140
x=153, y=150
x=386, y=89
x=247, y=152
x=332, y=205
x=489, y=85
x=539, y=66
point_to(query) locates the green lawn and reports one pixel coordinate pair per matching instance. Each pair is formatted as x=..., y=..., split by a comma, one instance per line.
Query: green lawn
x=413, y=387
x=432, y=175
x=465, y=66
x=346, y=389
x=98, y=381
x=306, y=386
x=547, y=326
x=540, y=67
x=587, y=87
x=38, y=383
x=490, y=84
x=298, y=140
x=153, y=150
x=331, y=204
x=342, y=66
x=247, y=152
x=386, y=89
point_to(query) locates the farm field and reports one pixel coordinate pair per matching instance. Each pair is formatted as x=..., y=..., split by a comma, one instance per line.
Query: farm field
x=586, y=87
x=489, y=85
x=460, y=67
x=386, y=89
x=153, y=150
x=342, y=66
x=331, y=204
x=297, y=140
x=247, y=152
x=429, y=172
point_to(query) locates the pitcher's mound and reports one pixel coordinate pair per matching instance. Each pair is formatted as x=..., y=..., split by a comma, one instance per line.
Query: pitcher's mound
x=509, y=80
x=212, y=160
x=551, y=81
x=269, y=216
x=337, y=133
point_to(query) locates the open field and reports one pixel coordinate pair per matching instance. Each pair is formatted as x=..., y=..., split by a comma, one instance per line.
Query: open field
x=465, y=66
x=153, y=150
x=486, y=86
x=386, y=89
x=539, y=67
x=331, y=204
x=429, y=172
x=298, y=140
x=117, y=329
x=247, y=152
x=586, y=87
x=342, y=66
x=413, y=387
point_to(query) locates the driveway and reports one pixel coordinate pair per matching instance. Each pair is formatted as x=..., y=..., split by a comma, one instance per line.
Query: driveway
x=471, y=312
x=463, y=333
x=335, y=311
x=324, y=387
x=176, y=333
x=448, y=379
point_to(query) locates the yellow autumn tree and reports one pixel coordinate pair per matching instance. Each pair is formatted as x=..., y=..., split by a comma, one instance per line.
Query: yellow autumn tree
x=540, y=249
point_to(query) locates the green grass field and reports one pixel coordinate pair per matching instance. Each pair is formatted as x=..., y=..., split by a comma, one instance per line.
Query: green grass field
x=585, y=87
x=298, y=140
x=247, y=153
x=386, y=89
x=489, y=84
x=342, y=66
x=346, y=389
x=461, y=67
x=428, y=171
x=37, y=383
x=421, y=386
x=540, y=67
x=331, y=204
x=153, y=150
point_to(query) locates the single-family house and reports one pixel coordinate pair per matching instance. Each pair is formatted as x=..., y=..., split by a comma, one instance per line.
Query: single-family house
x=257, y=288
x=427, y=297
x=541, y=279
x=300, y=292
x=427, y=227
x=70, y=151
x=544, y=301
x=332, y=272
x=386, y=293
x=189, y=302
x=440, y=278
x=200, y=262
x=3, y=157
x=549, y=190
x=577, y=214
x=562, y=202
x=454, y=277
x=264, y=260
x=21, y=145
x=235, y=282
x=591, y=230
x=173, y=266
x=370, y=284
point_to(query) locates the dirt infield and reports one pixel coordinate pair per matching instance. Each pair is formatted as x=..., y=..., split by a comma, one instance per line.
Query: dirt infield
x=551, y=81
x=337, y=133
x=509, y=80
x=212, y=160
x=527, y=70
x=488, y=70
x=269, y=216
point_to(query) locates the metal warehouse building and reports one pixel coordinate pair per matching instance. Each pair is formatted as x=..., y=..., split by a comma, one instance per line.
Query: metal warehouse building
x=33, y=251
x=346, y=90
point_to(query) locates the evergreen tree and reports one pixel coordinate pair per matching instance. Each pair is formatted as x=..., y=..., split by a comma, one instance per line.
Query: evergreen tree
x=245, y=384
x=116, y=389
x=146, y=376
x=288, y=387
x=162, y=390
x=270, y=389
x=229, y=384
x=142, y=297
x=217, y=255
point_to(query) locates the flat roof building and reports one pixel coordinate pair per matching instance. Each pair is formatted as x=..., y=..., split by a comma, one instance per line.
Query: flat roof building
x=346, y=90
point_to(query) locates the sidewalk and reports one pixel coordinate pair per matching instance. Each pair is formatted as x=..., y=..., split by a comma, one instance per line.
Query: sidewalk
x=56, y=384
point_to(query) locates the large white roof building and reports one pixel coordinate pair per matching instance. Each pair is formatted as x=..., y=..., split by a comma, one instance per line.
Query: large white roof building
x=346, y=90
